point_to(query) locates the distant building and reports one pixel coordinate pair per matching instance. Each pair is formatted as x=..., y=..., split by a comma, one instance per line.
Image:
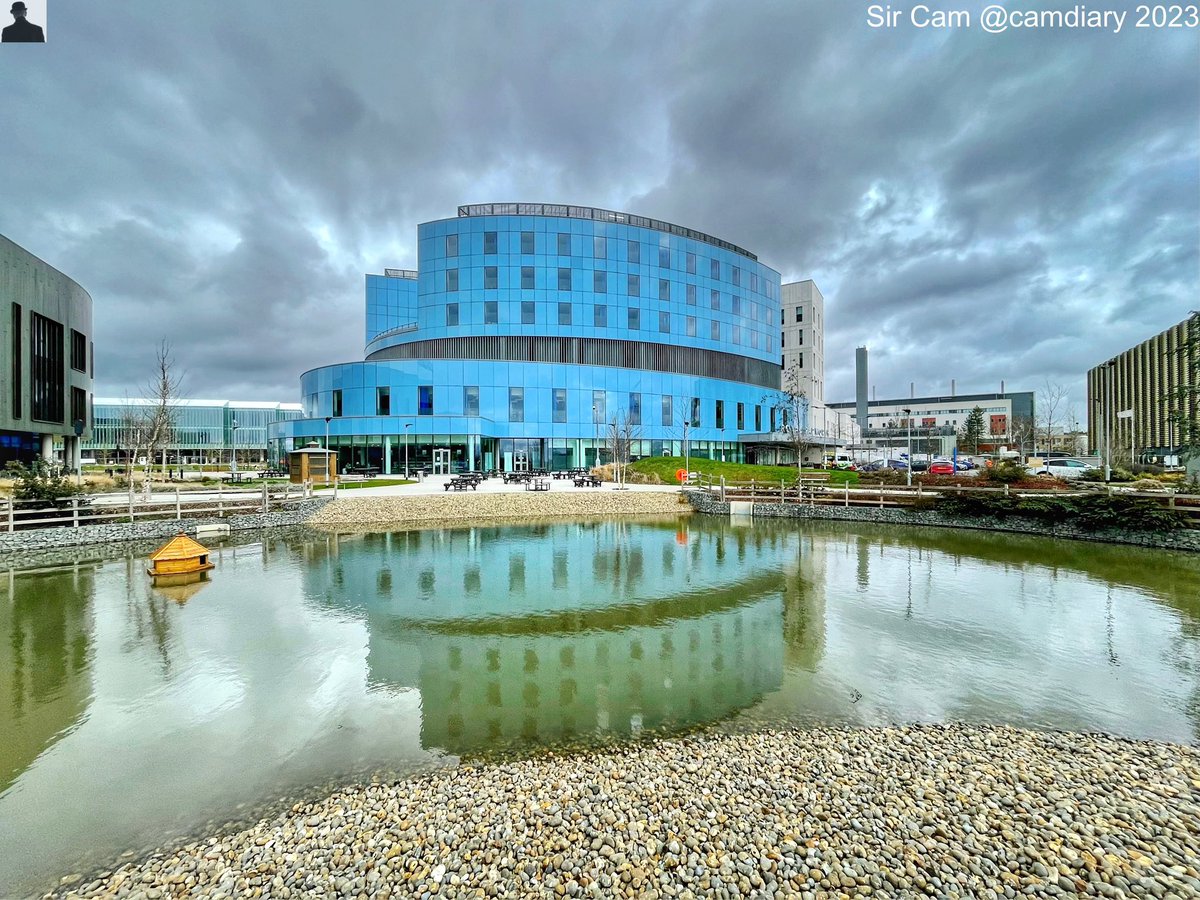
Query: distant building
x=934, y=421
x=206, y=431
x=1156, y=381
x=802, y=337
x=46, y=330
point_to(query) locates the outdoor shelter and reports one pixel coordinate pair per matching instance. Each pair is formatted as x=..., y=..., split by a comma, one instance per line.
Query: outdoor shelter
x=313, y=464
x=178, y=556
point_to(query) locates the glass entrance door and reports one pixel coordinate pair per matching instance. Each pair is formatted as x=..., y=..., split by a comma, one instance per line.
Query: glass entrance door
x=520, y=461
x=441, y=461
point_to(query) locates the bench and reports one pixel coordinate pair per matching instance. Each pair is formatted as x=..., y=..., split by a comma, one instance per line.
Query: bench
x=537, y=484
x=587, y=481
x=461, y=484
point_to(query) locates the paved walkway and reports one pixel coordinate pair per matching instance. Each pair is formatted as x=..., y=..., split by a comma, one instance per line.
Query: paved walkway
x=436, y=484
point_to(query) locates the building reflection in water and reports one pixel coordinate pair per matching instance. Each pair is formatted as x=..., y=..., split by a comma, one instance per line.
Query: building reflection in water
x=45, y=661
x=542, y=633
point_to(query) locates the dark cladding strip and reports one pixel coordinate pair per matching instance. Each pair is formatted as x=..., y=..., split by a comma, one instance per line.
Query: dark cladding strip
x=593, y=352
x=596, y=215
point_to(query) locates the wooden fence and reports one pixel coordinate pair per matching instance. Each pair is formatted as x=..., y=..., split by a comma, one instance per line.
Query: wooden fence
x=882, y=496
x=97, y=509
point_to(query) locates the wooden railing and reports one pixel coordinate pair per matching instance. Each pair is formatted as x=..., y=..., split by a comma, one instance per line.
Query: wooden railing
x=96, y=509
x=819, y=492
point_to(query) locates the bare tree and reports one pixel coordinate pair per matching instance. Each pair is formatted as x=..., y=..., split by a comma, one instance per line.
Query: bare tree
x=1050, y=400
x=791, y=401
x=622, y=430
x=1022, y=430
x=163, y=394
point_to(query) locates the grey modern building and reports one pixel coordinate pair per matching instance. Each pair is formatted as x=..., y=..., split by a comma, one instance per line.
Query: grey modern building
x=46, y=383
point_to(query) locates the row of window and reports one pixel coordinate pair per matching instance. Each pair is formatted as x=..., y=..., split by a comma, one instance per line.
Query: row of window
x=47, y=375
x=600, y=251
x=491, y=316
x=783, y=315
x=516, y=407
x=600, y=281
x=799, y=339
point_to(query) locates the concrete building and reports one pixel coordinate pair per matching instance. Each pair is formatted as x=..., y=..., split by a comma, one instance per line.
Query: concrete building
x=802, y=337
x=934, y=421
x=46, y=329
x=1155, y=384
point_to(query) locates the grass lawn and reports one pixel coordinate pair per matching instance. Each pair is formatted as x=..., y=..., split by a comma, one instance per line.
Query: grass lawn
x=355, y=485
x=666, y=467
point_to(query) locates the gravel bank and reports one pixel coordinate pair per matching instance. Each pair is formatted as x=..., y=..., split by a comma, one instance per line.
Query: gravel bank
x=944, y=811
x=428, y=509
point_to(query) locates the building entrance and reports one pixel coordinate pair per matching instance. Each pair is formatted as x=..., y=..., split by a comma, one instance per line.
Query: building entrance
x=441, y=461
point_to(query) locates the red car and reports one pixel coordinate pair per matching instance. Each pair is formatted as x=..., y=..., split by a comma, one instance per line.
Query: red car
x=941, y=467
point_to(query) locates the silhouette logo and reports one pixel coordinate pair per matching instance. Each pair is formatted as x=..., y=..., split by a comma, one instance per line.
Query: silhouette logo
x=22, y=31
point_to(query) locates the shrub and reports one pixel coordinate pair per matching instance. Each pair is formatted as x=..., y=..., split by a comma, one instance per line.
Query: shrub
x=1005, y=471
x=1089, y=512
x=41, y=481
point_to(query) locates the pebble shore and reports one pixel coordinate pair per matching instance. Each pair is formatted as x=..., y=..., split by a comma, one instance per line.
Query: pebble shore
x=943, y=811
x=367, y=512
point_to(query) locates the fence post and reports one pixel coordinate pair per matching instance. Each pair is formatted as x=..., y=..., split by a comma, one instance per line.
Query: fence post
x=131, y=503
x=722, y=488
x=881, y=494
x=782, y=492
x=846, y=494
x=220, y=503
x=266, y=498
x=178, y=509
x=1006, y=489
x=11, y=502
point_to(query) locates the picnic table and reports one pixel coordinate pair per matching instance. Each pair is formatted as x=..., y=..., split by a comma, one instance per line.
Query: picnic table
x=459, y=483
x=537, y=484
x=273, y=473
x=587, y=481
x=361, y=470
x=510, y=477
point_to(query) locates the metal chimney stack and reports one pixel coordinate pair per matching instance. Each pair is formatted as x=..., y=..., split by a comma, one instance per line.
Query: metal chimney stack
x=860, y=395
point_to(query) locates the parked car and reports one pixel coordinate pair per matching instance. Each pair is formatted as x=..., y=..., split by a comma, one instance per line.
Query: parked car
x=1061, y=468
x=898, y=464
x=941, y=467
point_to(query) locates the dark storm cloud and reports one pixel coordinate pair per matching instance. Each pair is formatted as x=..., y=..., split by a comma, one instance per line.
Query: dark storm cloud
x=978, y=207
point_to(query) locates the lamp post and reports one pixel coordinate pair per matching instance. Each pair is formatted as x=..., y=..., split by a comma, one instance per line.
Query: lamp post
x=328, y=475
x=908, y=422
x=233, y=469
x=595, y=438
x=407, y=425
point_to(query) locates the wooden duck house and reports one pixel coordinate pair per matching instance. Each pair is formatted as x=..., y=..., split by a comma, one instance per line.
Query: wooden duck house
x=179, y=556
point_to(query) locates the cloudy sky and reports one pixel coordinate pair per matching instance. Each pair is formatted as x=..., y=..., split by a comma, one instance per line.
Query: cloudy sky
x=975, y=206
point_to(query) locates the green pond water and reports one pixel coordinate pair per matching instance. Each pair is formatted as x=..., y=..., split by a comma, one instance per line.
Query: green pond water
x=131, y=717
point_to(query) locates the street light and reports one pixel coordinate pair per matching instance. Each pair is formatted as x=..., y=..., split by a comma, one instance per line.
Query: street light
x=595, y=438
x=908, y=422
x=407, y=425
x=328, y=419
x=233, y=470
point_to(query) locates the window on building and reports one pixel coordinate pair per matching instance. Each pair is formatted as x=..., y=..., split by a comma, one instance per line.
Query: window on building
x=691, y=295
x=635, y=409
x=600, y=282
x=714, y=267
x=490, y=278
x=691, y=263
x=800, y=338
x=527, y=242
x=753, y=339
x=754, y=282
x=635, y=252
x=598, y=413
x=79, y=406
x=564, y=244
x=664, y=289
x=383, y=401
x=714, y=328
x=560, y=405
x=691, y=326
x=664, y=257
x=635, y=319
x=799, y=313
x=714, y=299
x=800, y=360
x=695, y=416
x=737, y=305
x=516, y=404
x=737, y=334
x=737, y=275
x=758, y=418
x=46, y=369
x=452, y=245
x=425, y=400
x=471, y=400
x=452, y=279
x=78, y=351
x=491, y=312
x=600, y=247
x=783, y=340
x=489, y=242
x=664, y=322
x=741, y=417
x=335, y=403
x=564, y=279
x=785, y=419
x=668, y=414
x=451, y=313
x=564, y=314
x=527, y=278
x=634, y=288
x=720, y=414
x=16, y=360
x=782, y=317
x=600, y=315
x=773, y=412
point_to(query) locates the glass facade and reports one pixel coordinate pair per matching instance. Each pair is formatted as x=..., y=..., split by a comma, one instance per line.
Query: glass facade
x=534, y=338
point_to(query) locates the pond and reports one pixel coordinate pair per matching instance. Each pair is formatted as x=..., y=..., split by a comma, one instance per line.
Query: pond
x=133, y=715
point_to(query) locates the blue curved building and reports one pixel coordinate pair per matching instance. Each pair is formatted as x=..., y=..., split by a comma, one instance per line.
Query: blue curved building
x=527, y=328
